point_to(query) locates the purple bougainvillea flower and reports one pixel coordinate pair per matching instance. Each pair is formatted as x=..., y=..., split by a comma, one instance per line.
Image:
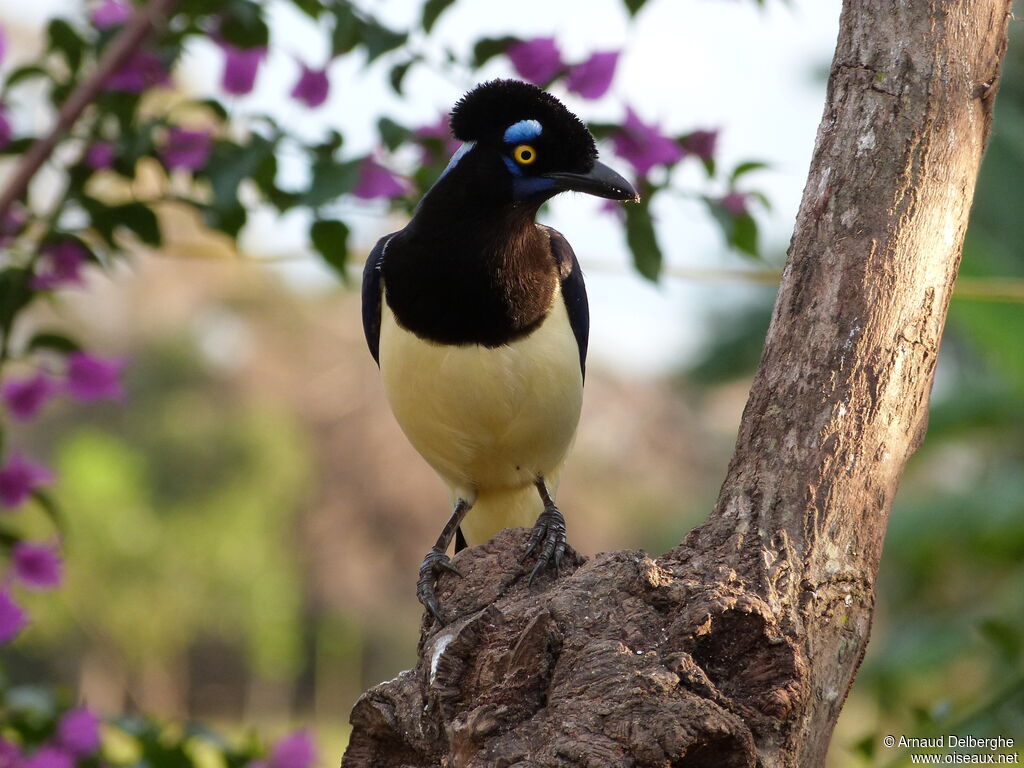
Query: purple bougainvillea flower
x=294, y=751
x=377, y=181
x=186, y=149
x=50, y=757
x=12, y=223
x=100, y=155
x=10, y=755
x=240, y=68
x=702, y=143
x=36, y=566
x=24, y=397
x=94, y=378
x=536, y=60
x=110, y=13
x=61, y=264
x=79, y=731
x=12, y=618
x=143, y=70
x=312, y=86
x=735, y=203
x=6, y=131
x=19, y=477
x=643, y=145
x=593, y=77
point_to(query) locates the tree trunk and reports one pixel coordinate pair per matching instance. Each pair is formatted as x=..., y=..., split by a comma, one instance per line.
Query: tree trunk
x=738, y=647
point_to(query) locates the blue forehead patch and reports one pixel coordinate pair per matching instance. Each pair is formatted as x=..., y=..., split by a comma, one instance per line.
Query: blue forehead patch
x=524, y=130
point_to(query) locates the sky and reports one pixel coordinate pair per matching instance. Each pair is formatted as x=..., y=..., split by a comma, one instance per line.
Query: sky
x=751, y=71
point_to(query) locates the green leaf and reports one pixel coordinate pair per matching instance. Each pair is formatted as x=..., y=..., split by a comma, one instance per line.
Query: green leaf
x=642, y=240
x=140, y=219
x=634, y=6
x=17, y=147
x=378, y=40
x=25, y=73
x=50, y=507
x=744, y=168
x=242, y=25
x=1004, y=636
x=330, y=238
x=489, y=47
x=312, y=8
x=391, y=133
x=63, y=38
x=866, y=746
x=740, y=230
x=15, y=294
x=744, y=234
x=227, y=219
x=397, y=75
x=348, y=29
x=331, y=180
x=53, y=341
x=431, y=10
x=230, y=163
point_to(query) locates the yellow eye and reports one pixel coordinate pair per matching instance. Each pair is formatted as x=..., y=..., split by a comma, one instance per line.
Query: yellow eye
x=524, y=154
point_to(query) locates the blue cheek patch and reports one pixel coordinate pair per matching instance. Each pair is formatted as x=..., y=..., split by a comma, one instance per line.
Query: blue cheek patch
x=528, y=186
x=524, y=130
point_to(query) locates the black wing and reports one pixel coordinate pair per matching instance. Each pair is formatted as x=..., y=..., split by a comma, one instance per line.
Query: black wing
x=574, y=292
x=372, y=295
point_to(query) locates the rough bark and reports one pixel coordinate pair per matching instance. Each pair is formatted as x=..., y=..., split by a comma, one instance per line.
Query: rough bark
x=738, y=647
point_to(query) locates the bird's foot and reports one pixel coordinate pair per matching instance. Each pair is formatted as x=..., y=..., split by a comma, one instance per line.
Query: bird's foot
x=548, y=540
x=434, y=564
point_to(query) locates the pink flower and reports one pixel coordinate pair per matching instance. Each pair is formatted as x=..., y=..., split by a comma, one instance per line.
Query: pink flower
x=50, y=757
x=536, y=60
x=37, y=566
x=735, y=203
x=3, y=53
x=24, y=397
x=19, y=477
x=110, y=13
x=6, y=131
x=12, y=223
x=294, y=751
x=12, y=618
x=312, y=86
x=10, y=755
x=593, y=77
x=377, y=181
x=93, y=378
x=643, y=145
x=79, y=731
x=702, y=143
x=240, y=68
x=61, y=265
x=100, y=155
x=143, y=70
x=186, y=149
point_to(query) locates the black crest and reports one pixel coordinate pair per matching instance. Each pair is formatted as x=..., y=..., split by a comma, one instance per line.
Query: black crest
x=483, y=114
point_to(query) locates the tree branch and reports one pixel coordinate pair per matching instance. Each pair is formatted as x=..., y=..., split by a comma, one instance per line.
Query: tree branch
x=114, y=57
x=738, y=647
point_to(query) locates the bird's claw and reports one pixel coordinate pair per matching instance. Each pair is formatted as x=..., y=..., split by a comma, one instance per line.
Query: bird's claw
x=434, y=563
x=548, y=540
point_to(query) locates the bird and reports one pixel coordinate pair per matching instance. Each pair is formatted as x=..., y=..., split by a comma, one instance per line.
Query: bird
x=477, y=317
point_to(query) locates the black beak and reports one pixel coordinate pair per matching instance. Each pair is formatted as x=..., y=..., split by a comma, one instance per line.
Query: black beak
x=600, y=180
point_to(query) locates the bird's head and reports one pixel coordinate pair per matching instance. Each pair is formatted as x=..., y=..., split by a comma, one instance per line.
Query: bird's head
x=522, y=145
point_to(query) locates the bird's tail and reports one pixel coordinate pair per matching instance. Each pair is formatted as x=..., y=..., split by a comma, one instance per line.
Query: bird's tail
x=497, y=509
